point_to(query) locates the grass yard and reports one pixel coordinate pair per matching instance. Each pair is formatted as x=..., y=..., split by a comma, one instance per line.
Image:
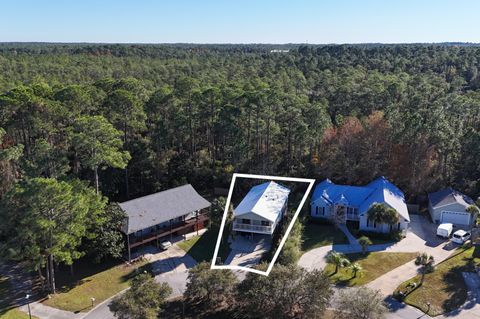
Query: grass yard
x=201, y=248
x=374, y=265
x=6, y=310
x=444, y=288
x=318, y=235
x=90, y=280
x=14, y=314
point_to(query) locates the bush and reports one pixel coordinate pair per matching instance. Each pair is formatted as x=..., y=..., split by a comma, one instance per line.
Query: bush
x=320, y=221
x=393, y=236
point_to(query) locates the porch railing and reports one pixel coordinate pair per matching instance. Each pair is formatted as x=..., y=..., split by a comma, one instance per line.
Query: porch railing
x=257, y=228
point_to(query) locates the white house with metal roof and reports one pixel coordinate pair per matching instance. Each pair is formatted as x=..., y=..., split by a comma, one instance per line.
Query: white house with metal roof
x=351, y=203
x=450, y=206
x=262, y=209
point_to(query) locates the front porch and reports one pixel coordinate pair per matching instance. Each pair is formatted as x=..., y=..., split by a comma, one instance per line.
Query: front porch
x=253, y=226
x=343, y=213
x=174, y=229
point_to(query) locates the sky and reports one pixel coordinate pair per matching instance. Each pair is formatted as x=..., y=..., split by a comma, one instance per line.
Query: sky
x=240, y=21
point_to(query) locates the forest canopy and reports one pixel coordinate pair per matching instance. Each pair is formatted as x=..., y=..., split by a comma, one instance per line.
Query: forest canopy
x=196, y=113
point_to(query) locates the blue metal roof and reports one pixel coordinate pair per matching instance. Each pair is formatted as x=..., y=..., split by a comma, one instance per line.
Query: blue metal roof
x=379, y=191
x=345, y=194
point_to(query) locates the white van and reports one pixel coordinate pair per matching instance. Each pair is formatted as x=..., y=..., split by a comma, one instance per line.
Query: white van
x=445, y=230
x=164, y=245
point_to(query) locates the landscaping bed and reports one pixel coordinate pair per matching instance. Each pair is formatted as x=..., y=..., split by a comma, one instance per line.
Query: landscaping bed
x=375, y=237
x=444, y=288
x=100, y=281
x=374, y=265
x=317, y=234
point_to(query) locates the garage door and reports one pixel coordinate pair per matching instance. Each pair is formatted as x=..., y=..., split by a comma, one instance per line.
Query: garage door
x=459, y=218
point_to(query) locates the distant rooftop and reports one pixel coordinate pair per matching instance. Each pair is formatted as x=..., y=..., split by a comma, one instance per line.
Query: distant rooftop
x=449, y=196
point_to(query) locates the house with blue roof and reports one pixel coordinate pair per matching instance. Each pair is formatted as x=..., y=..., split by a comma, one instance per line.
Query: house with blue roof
x=342, y=203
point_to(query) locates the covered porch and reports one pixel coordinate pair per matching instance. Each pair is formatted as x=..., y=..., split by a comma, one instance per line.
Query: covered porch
x=174, y=228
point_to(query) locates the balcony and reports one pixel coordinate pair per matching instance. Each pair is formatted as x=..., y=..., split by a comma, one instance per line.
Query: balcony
x=174, y=227
x=253, y=228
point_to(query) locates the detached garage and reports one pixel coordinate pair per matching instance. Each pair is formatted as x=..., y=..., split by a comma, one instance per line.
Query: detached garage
x=450, y=206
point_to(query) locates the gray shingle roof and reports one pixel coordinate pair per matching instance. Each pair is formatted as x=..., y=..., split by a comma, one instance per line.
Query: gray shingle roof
x=150, y=210
x=449, y=196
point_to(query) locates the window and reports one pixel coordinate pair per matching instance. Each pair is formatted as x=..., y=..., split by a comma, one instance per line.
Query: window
x=265, y=223
x=323, y=211
x=245, y=221
x=398, y=226
x=316, y=210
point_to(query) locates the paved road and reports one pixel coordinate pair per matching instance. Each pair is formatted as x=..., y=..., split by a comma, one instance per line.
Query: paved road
x=173, y=269
x=176, y=280
x=420, y=238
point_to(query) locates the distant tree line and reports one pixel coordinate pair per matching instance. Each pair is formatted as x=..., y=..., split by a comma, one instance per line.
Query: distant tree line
x=197, y=113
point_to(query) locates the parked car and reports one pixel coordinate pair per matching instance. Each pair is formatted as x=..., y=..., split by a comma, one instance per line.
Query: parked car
x=445, y=230
x=460, y=236
x=164, y=245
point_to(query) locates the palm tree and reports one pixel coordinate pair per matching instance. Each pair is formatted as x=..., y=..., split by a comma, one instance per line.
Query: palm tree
x=383, y=214
x=426, y=261
x=337, y=259
x=364, y=241
x=355, y=268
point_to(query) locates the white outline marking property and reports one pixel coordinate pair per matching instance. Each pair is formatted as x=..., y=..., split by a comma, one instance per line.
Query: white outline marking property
x=284, y=238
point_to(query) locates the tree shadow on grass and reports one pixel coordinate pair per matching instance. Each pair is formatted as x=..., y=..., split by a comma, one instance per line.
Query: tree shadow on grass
x=85, y=268
x=203, y=249
x=456, y=287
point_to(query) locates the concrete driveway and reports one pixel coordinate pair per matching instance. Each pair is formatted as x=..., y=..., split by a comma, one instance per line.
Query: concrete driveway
x=420, y=238
x=172, y=260
x=248, y=252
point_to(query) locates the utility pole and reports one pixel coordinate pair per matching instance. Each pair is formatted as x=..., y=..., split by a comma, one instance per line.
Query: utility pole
x=27, y=297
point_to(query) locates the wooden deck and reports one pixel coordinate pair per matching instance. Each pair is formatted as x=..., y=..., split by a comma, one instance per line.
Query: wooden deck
x=193, y=223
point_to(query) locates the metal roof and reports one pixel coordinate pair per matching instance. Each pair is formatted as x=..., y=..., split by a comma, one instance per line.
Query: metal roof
x=150, y=210
x=449, y=196
x=265, y=200
x=379, y=191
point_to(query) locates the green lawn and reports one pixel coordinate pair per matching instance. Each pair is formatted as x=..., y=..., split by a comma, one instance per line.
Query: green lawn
x=6, y=310
x=318, y=235
x=201, y=248
x=90, y=280
x=14, y=314
x=374, y=265
x=444, y=288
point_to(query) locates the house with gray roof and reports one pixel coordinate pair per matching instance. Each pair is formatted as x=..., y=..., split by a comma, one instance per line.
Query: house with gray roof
x=450, y=206
x=160, y=216
x=343, y=203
